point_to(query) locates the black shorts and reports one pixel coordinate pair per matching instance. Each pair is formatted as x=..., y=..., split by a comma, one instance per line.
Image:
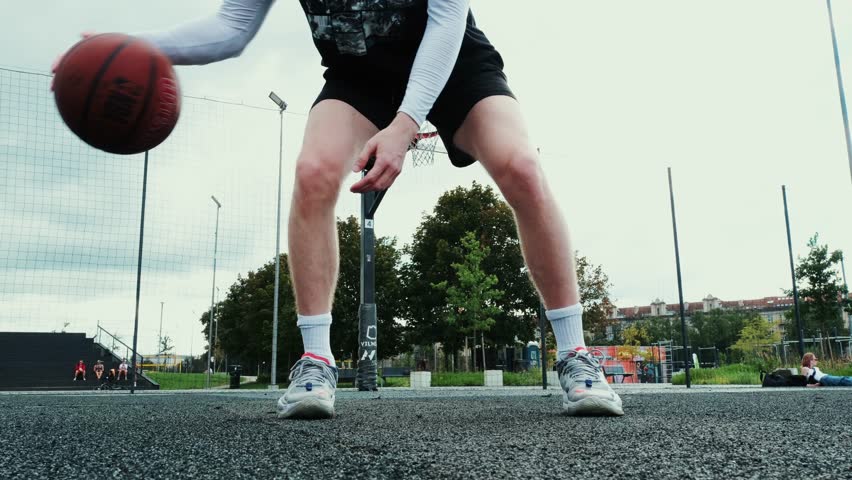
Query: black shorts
x=379, y=99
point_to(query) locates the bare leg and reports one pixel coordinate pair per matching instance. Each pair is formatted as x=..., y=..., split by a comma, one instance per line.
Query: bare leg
x=495, y=134
x=335, y=134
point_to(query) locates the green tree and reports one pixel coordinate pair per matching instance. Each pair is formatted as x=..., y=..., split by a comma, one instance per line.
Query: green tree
x=822, y=295
x=756, y=338
x=655, y=329
x=245, y=319
x=245, y=316
x=717, y=328
x=433, y=251
x=635, y=334
x=471, y=305
x=594, y=286
x=166, y=345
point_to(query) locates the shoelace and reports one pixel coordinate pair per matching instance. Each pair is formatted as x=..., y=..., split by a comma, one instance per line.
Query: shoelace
x=584, y=367
x=310, y=371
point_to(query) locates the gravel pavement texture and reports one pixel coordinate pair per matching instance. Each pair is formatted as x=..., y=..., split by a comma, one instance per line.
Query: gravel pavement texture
x=667, y=432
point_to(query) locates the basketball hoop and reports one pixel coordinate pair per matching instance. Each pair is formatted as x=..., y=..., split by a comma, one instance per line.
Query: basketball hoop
x=422, y=148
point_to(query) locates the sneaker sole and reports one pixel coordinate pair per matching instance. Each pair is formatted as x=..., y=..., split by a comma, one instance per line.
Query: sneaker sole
x=307, y=409
x=592, y=407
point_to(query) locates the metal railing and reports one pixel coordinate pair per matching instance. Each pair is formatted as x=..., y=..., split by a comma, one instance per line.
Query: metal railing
x=112, y=343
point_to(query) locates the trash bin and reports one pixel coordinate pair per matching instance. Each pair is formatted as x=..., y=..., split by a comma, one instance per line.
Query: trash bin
x=236, y=371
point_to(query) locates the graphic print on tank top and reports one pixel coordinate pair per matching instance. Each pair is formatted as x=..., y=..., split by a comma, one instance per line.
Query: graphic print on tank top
x=356, y=25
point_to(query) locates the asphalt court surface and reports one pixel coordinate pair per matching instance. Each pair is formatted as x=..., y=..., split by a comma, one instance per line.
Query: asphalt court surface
x=667, y=432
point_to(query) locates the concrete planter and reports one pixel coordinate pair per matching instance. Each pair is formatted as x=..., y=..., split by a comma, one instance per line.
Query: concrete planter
x=494, y=378
x=421, y=379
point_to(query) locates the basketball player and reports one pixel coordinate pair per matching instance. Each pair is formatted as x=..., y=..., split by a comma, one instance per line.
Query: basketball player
x=391, y=65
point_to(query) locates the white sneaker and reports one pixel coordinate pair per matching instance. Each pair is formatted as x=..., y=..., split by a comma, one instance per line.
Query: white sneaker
x=311, y=391
x=585, y=390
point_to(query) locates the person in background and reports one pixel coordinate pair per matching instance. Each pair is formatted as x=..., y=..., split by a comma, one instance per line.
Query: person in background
x=80, y=371
x=122, y=370
x=817, y=378
x=98, y=369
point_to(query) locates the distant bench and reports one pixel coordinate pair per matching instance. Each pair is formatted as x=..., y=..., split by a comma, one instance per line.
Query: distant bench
x=349, y=374
x=616, y=371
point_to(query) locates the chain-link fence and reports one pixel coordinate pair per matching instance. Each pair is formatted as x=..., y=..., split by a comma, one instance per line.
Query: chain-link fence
x=70, y=217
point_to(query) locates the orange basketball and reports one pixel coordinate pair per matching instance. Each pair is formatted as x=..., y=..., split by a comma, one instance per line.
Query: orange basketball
x=117, y=93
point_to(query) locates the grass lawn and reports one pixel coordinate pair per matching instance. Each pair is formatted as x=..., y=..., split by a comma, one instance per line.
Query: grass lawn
x=741, y=374
x=254, y=386
x=737, y=374
x=840, y=371
x=187, y=381
x=444, y=379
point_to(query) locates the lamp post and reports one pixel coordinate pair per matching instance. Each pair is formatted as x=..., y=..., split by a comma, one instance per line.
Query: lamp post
x=686, y=356
x=282, y=105
x=839, y=75
x=139, y=271
x=845, y=288
x=798, y=316
x=213, y=290
x=160, y=345
x=216, y=328
x=216, y=316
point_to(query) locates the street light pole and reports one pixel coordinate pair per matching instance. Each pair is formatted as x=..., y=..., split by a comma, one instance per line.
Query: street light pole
x=793, y=275
x=542, y=354
x=845, y=288
x=216, y=316
x=840, y=86
x=282, y=105
x=216, y=328
x=139, y=272
x=160, y=345
x=686, y=356
x=212, y=291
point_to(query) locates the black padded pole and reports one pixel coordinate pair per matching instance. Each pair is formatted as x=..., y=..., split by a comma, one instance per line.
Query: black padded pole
x=366, y=377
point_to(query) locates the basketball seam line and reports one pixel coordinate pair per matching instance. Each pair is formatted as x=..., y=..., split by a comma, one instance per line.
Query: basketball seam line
x=93, y=88
x=152, y=78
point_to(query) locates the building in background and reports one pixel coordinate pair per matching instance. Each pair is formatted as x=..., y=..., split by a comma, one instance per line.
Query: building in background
x=770, y=308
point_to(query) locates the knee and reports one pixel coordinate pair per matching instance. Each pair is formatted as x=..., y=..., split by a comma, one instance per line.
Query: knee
x=317, y=180
x=520, y=178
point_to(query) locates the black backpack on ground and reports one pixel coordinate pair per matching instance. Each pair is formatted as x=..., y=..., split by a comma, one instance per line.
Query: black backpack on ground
x=782, y=377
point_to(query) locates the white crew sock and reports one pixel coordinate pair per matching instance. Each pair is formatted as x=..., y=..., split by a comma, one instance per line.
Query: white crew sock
x=567, y=326
x=316, y=335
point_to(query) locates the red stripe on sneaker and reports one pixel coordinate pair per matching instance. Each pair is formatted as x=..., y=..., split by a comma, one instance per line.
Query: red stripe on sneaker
x=316, y=357
x=579, y=349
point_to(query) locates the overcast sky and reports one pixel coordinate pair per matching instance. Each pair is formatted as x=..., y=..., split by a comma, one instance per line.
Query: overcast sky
x=737, y=97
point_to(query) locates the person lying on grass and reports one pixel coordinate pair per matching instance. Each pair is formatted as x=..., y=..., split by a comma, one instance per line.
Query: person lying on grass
x=817, y=378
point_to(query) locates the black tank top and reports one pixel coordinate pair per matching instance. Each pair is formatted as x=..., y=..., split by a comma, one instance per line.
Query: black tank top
x=368, y=36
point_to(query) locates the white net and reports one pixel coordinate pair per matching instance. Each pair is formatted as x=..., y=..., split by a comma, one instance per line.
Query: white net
x=69, y=217
x=423, y=146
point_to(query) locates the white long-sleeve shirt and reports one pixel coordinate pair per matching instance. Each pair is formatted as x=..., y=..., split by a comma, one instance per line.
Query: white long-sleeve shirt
x=227, y=33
